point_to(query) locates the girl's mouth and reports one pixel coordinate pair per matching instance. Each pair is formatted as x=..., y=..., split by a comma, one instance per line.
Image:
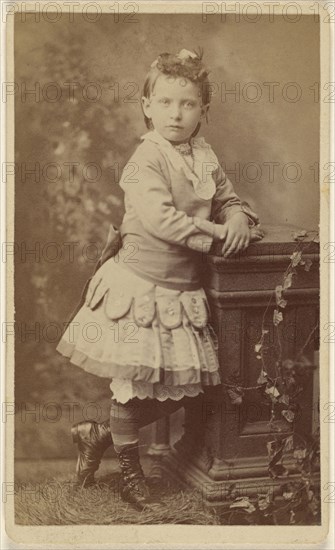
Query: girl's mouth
x=174, y=127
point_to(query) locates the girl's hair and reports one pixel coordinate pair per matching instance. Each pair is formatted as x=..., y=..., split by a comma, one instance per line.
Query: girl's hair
x=185, y=64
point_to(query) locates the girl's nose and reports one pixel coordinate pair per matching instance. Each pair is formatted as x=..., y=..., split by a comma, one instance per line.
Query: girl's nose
x=175, y=112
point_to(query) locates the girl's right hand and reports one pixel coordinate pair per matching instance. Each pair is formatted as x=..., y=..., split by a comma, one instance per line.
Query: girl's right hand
x=219, y=232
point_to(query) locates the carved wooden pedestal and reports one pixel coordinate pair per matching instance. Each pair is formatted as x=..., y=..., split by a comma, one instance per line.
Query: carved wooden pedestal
x=225, y=443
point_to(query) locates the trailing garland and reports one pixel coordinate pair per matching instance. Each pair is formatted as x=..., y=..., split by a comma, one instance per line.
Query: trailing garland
x=299, y=500
x=235, y=390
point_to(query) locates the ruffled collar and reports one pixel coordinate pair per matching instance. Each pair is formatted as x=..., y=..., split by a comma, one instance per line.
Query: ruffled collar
x=205, y=162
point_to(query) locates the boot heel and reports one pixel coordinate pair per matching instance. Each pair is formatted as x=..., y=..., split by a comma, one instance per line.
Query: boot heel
x=74, y=432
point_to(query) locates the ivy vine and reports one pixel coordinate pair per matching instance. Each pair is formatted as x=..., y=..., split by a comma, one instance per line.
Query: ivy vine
x=298, y=500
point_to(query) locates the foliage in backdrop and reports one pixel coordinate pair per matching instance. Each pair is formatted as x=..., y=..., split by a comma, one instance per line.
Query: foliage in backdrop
x=76, y=143
x=66, y=197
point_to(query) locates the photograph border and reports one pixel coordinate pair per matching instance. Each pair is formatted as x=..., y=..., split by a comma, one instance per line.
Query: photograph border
x=190, y=535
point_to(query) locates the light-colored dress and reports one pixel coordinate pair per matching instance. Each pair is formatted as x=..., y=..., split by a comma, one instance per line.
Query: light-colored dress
x=145, y=323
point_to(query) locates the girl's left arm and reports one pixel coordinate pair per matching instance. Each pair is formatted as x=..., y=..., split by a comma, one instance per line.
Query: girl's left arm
x=236, y=218
x=150, y=197
x=226, y=202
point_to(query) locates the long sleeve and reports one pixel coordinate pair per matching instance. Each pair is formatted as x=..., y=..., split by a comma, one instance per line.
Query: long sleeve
x=225, y=201
x=172, y=211
x=149, y=195
x=159, y=196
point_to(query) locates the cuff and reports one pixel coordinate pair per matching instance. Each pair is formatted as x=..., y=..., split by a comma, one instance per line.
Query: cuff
x=253, y=219
x=228, y=213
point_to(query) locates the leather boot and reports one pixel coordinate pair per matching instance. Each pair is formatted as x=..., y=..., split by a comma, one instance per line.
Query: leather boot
x=134, y=488
x=93, y=439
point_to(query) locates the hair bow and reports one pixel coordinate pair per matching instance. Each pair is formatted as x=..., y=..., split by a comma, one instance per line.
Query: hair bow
x=182, y=55
x=185, y=54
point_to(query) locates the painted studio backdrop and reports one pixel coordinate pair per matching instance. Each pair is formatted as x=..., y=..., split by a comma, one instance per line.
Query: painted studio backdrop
x=77, y=121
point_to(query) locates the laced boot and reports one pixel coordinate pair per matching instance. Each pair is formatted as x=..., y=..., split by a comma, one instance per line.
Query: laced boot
x=93, y=439
x=134, y=488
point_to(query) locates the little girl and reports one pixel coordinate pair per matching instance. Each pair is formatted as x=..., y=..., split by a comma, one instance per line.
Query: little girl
x=151, y=317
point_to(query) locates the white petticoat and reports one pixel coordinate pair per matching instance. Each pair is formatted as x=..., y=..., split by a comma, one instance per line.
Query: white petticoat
x=123, y=390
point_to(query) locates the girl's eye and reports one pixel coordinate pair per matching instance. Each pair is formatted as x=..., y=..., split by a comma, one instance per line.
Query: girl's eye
x=189, y=104
x=164, y=101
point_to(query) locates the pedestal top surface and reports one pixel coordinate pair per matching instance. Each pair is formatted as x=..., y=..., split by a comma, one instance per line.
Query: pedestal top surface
x=279, y=240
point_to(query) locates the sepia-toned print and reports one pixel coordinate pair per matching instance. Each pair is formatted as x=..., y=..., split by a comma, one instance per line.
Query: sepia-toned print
x=167, y=255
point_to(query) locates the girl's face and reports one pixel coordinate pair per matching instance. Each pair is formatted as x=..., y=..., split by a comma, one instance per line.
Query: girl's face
x=175, y=107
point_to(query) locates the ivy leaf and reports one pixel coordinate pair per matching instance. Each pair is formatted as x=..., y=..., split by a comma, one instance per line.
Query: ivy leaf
x=278, y=291
x=262, y=379
x=313, y=506
x=296, y=258
x=278, y=470
x=288, y=491
x=275, y=451
x=258, y=348
x=279, y=298
x=244, y=503
x=298, y=235
x=264, y=501
x=288, y=415
x=309, y=493
x=277, y=317
x=271, y=447
x=231, y=490
x=288, y=446
x=299, y=454
x=292, y=517
x=308, y=265
x=288, y=495
x=284, y=399
x=288, y=365
x=290, y=383
x=235, y=395
x=272, y=391
x=287, y=281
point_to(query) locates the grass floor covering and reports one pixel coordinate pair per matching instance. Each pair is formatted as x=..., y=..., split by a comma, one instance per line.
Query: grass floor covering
x=46, y=494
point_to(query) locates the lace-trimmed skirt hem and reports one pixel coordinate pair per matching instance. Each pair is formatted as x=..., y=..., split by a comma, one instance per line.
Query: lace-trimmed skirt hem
x=132, y=329
x=124, y=390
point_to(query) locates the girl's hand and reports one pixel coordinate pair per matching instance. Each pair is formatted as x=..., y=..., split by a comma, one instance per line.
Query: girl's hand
x=236, y=234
